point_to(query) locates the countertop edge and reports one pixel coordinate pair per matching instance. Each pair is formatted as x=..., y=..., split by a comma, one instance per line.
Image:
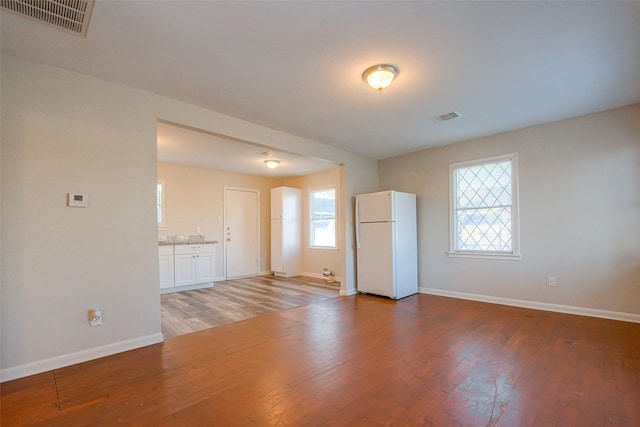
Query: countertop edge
x=203, y=242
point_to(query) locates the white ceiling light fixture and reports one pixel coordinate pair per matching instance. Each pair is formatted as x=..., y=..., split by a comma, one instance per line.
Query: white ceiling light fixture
x=380, y=76
x=272, y=163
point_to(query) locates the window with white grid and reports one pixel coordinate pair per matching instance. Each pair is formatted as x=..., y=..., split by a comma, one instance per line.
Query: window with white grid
x=484, y=208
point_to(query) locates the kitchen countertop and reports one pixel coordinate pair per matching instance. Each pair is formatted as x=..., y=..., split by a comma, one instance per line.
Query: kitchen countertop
x=186, y=242
x=195, y=239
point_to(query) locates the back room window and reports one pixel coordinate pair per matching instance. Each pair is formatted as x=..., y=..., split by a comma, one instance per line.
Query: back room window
x=322, y=206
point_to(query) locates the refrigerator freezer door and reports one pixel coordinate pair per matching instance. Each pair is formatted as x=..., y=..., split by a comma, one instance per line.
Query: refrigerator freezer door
x=376, y=259
x=375, y=207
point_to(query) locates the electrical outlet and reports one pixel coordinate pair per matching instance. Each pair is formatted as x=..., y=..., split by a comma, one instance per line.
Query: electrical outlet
x=552, y=282
x=95, y=317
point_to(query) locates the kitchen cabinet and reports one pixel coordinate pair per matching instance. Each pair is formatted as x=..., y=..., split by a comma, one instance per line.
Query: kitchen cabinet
x=194, y=264
x=286, y=231
x=166, y=263
x=193, y=267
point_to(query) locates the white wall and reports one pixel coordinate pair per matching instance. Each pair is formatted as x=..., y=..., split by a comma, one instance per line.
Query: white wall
x=315, y=260
x=579, y=213
x=66, y=132
x=69, y=133
x=1, y=287
x=194, y=197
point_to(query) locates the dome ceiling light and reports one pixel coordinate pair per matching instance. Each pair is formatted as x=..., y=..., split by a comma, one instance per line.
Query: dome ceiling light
x=380, y=76
x=272, y=163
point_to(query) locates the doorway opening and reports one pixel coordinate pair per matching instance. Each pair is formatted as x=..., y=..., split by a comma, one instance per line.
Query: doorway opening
x=217, y=189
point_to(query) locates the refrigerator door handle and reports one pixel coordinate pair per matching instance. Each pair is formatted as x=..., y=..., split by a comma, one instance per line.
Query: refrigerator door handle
x=357, y=224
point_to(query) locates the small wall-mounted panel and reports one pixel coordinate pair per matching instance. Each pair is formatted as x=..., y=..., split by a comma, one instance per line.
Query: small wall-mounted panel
x=77, y=200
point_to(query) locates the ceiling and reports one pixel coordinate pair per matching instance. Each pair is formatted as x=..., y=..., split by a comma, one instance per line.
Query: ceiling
x=185, y=146
x=297, y=66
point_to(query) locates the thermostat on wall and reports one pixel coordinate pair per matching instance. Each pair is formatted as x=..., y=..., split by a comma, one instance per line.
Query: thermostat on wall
x=77, y=200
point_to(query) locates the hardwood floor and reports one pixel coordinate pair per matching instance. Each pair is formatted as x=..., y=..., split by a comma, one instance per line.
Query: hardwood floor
x=360, y=360
x=233, y=300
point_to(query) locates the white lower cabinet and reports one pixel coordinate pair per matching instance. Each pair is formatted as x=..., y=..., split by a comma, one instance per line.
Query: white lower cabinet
x=192, y=265
x=185, y=269
x=166, y=266
x=205, y=266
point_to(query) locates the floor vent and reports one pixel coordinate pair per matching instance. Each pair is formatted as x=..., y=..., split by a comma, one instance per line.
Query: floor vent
x=69, y=15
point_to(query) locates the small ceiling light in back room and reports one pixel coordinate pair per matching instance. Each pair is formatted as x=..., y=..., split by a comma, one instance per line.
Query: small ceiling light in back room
x=380, y=76
x=272, y=163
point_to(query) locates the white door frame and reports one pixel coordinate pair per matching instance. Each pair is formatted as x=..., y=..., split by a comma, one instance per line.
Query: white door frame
x=224, y=228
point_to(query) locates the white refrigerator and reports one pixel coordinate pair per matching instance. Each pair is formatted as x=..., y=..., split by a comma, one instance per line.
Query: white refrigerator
x=387, y=244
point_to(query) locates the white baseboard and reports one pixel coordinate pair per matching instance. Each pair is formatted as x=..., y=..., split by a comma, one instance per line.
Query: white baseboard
x=56, y=362
x=348, y=292
x=318, y=276
x=186, y=288
x=568, y=309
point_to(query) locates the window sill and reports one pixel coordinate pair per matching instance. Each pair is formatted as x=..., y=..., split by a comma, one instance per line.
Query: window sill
x=323, y=249
x=508, y=257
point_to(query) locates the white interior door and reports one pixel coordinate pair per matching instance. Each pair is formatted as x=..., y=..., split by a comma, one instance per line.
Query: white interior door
x=242, y=233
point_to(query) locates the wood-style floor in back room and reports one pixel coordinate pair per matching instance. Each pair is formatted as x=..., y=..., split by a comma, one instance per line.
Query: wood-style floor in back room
x=233, y=300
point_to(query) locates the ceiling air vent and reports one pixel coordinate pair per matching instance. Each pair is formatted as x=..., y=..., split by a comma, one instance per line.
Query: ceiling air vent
x=69, y=15
x=445, y=117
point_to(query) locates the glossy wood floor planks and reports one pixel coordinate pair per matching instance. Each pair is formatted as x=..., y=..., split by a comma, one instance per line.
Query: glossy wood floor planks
x=362, y=361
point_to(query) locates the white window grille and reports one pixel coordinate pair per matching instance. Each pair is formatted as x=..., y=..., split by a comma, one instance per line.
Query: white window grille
x=484, y=208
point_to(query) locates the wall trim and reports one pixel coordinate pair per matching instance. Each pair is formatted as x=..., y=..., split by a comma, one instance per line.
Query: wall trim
x=319, y=276
x=348, y=292
x=186, y=288
x=56, y=362
x=559, y=308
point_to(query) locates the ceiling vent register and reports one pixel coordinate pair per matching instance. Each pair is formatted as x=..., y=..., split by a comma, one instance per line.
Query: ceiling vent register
x=445, y=117
x=69, y=15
